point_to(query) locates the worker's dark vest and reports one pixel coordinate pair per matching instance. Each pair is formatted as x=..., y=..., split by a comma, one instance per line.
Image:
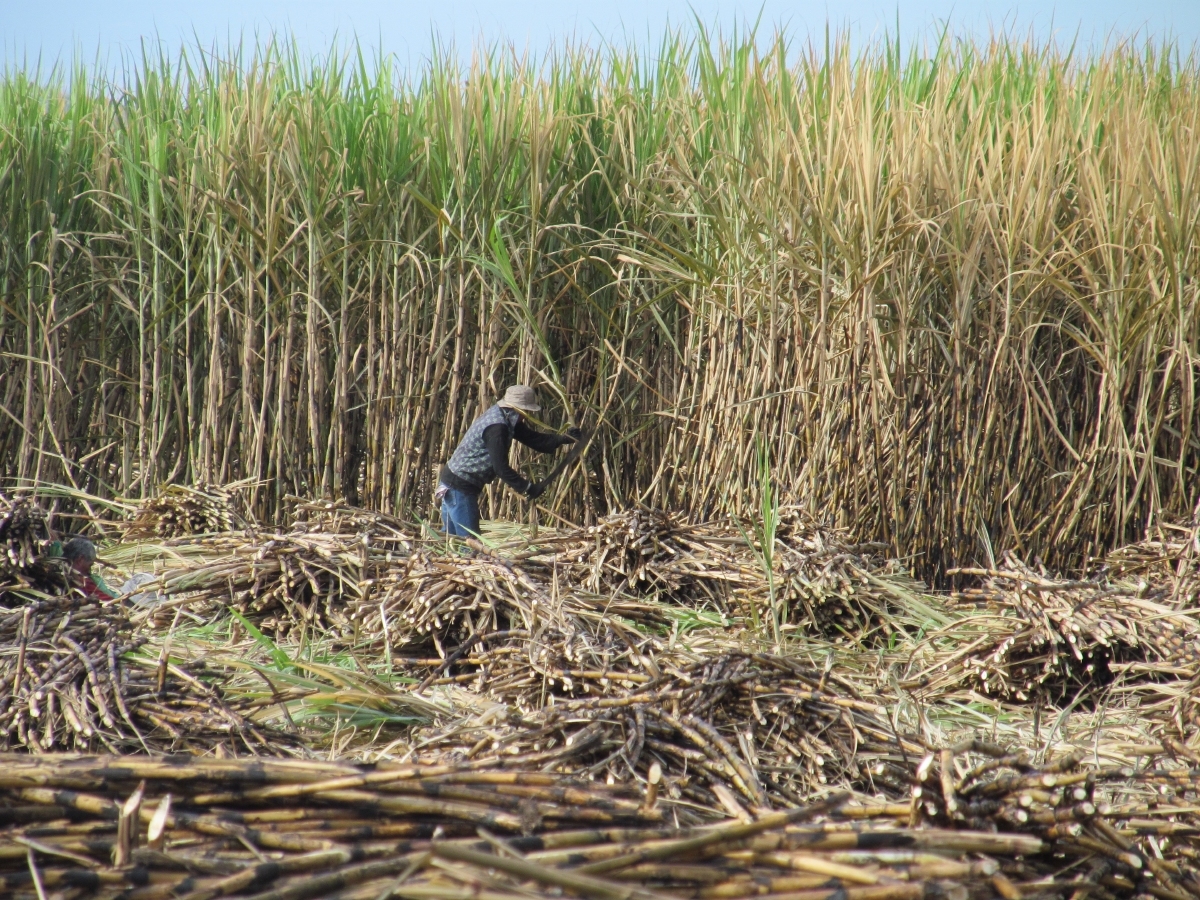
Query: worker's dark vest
x=470, y=461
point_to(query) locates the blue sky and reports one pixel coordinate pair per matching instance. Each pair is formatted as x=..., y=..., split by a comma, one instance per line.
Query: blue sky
x=54, y=30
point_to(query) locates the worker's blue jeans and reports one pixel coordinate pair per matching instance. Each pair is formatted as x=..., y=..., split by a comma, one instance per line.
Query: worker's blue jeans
x=460, y=513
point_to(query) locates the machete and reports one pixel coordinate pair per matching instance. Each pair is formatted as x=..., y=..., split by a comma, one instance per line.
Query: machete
x=572, y=455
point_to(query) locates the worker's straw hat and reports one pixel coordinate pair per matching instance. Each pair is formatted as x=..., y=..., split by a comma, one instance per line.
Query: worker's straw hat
x=520, y=397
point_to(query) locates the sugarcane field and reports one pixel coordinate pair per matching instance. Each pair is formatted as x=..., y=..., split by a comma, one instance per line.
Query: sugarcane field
x=729, y=469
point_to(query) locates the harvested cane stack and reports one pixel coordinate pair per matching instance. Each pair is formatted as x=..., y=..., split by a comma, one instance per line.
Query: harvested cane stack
x=735, y=732
x=300, y=579
x=1170, y=558
x=282, y=581
x=820, y=580
x=23, y=537
x=338, y=517
x=357, y=572
x=627, y=551
x=526, y=670
x=22, y=532
x=447, y=597
x=290, y=830
x=179, y=510
x=835, y=588
x=435, y=597
x=1053, y=634
x=68, y=684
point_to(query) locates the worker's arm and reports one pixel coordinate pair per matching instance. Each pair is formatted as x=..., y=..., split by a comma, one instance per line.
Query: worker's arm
x=540, y=440
x=495, y=438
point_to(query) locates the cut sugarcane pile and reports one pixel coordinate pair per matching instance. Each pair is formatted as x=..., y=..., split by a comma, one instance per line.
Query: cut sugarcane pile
x=735, y=731
x=288, y=830
x=527, y=669
x=68, y=684
x=834, y=588
x=637, y=551
x=450, y=597
x=180, y=510
x=439, y=596
x=23, y=538
x=348, y=570
x=818, y=579
x=282, y=580
x=339, y=517
x=1169, y=559
x=1047, y=633
x=22, y=532
x=299, y=578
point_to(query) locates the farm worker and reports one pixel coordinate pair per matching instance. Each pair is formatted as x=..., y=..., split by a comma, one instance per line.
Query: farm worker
x=482, y=456
x=80, y=555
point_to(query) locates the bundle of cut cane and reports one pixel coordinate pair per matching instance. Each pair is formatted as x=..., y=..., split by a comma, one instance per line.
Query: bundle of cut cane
x=290, y=830
x=452, y=597
x=1048, y=633
x=834, y=587
x=283, y=581
x=526, y=670
x=23, y=537
x=438, y=597
x=338, y=517
x=69, y=684
x=299, y=579
x=1170, y=558
x=22, y=532
x=644, y=552
x=179, y=510
x=822, y=580
x=630, y=550
x=736, y=731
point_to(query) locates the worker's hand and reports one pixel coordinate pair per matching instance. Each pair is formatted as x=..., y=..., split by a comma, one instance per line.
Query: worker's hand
x=535, y=490
x=573, y=434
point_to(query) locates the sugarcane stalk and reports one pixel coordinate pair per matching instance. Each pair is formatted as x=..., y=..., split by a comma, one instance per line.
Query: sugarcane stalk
x=584, y=885
x=726, y=834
